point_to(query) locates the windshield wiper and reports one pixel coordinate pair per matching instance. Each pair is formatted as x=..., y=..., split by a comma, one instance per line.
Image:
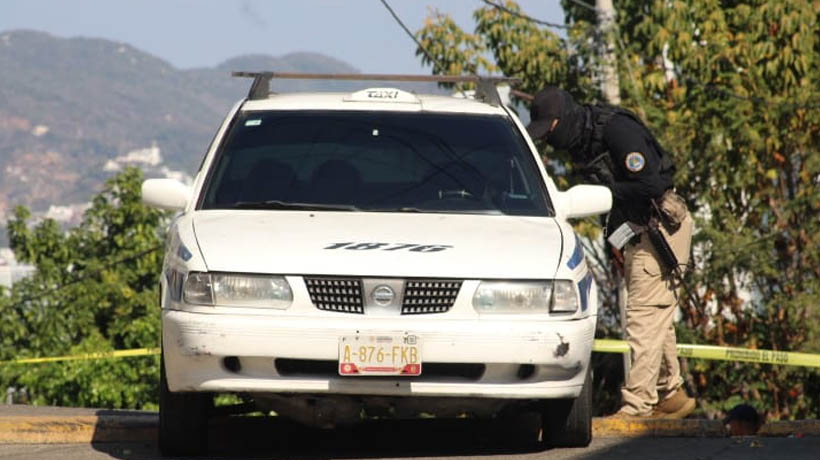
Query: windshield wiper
x=437, y=211
x=277, y=204
x=401, y=209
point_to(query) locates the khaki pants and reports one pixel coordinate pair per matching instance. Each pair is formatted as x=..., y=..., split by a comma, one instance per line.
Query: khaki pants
x=650, y=311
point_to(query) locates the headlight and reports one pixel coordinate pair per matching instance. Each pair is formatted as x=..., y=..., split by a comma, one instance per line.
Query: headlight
x=565, y=300
x=233, y=290
x=505, y=297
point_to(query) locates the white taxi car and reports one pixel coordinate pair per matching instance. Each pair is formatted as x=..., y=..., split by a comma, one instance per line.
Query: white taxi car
x=375, y=252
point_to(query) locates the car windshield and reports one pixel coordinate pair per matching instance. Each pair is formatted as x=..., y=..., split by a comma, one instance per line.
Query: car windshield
x=376, y=161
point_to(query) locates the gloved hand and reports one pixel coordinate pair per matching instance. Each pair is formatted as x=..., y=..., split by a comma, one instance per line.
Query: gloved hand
x=598, y=172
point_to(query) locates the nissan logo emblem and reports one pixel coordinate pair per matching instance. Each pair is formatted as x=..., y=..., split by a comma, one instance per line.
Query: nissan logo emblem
x=383, y=295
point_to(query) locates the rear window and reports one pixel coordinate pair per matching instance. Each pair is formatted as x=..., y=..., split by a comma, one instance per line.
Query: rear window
x=377, y=161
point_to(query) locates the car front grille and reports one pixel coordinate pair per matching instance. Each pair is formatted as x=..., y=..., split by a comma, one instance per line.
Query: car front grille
x=336, y=294
x=429, y=296
x=421, y=296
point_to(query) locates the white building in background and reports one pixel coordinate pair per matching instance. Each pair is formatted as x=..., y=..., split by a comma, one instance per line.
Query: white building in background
x=148, y=159
x=150, y=156
x=10, y=271
x=71, y=214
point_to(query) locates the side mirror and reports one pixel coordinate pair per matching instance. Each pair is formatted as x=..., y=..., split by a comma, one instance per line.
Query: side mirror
x=165, y=194
x=585, y=200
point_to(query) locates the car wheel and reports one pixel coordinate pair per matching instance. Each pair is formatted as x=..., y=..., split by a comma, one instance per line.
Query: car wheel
x=183, y=420
x=519, y=429
x=568, y=422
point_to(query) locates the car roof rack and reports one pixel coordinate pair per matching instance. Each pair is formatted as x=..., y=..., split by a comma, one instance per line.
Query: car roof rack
x=485, y=90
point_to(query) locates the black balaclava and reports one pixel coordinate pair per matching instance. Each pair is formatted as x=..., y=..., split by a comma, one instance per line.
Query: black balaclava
x=549, y=104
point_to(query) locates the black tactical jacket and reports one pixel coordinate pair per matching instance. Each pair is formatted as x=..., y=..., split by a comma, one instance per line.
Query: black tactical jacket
x=622, y=154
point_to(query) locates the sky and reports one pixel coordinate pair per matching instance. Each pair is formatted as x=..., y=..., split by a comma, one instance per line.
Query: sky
x=203, y=33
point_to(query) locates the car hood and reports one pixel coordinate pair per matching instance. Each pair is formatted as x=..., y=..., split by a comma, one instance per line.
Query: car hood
x=379, y=244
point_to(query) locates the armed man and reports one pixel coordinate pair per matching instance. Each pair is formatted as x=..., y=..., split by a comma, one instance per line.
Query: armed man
x=649, y=228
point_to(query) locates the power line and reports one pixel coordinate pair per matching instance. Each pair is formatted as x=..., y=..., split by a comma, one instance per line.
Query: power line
x=524, y=16
x=683, y=76
x=621, y=46
x=410, y=34
x=585, y=5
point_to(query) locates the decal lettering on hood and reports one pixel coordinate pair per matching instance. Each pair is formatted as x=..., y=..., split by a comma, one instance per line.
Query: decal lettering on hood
x=356, y=246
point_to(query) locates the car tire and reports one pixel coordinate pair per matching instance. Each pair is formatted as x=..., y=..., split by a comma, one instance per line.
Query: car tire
x=568, y=422
x=183, y=420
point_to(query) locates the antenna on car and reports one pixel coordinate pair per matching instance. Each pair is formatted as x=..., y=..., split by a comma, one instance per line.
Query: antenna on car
x=485, y=91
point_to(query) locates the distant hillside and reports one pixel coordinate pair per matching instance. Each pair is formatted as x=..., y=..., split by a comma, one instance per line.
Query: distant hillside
x=74, y=110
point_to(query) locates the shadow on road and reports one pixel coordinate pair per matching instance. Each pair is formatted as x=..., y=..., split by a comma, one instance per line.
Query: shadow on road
x=270, y=437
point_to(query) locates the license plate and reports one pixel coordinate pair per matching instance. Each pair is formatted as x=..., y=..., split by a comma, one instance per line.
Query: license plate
x=379, y=355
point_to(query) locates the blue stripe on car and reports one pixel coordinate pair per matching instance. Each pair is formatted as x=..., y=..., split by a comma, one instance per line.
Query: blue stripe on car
x=584, y=287
x=184, y=253
x=577, y=254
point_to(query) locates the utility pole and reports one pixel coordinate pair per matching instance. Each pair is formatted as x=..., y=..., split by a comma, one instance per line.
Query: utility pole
x=610, y=88
x=609, y=63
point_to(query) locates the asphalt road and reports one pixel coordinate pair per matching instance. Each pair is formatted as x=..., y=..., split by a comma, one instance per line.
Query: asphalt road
x=604, y=448
x=427, y=439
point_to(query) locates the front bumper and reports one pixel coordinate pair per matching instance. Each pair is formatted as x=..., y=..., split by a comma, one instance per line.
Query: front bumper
x=519, y=359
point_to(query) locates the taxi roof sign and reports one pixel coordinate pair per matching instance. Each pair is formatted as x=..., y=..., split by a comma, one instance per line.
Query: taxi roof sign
x=383, y=95
x=485, y=85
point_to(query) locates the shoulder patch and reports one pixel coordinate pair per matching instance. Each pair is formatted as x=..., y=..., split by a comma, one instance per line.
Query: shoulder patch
x=635, y=161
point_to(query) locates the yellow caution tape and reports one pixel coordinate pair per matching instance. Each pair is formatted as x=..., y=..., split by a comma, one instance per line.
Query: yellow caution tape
x=786, y=358
x=601, y=345
x=610, y=346
x=87, y=356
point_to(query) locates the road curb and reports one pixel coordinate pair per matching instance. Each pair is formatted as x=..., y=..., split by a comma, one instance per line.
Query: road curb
x=77, y=429
x=620, y=428
x=82, y=429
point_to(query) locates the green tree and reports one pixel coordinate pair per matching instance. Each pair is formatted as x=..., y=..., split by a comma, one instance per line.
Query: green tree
x=730, y=88
x=95, y=289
